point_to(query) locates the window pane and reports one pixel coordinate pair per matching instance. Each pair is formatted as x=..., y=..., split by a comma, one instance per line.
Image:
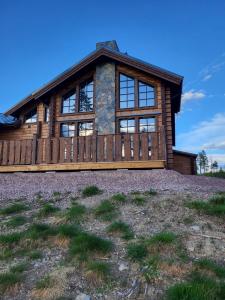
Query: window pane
x=126, y=91
x=147, y=124
x=31, y=117
x=85, y=128
x=68, y=103
x=86, y=96
x=146, y=94
x=67, y=130
x=127, y=126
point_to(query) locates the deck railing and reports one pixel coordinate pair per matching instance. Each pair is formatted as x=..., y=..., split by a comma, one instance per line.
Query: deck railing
x=94, y=148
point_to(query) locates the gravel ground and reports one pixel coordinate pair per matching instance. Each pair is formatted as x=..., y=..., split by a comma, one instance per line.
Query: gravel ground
x=27, y=184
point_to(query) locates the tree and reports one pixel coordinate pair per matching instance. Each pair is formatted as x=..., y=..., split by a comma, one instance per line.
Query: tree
x=203, y=162
x=214, y=166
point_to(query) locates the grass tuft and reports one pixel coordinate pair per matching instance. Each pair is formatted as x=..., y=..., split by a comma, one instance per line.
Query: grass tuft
x=98, y=272
x=137, y=251
x=16, y=221
x=44, y=283
x=106, y=211
x=139, y=200
x=35, y=254
x=121, y=227
x=91, y=190
x=13, y=208
x=19, y=268
x=164, y=237
x=210, y=265
x=9, y=279
x=11, y=238
x=47, y=209
x=68, y=230
x=40, y=230
x=119, y=198
x=76, y=212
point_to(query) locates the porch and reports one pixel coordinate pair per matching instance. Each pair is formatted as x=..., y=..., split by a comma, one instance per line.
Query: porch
x=114, y=151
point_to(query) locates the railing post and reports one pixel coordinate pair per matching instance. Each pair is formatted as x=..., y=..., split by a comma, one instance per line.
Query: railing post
x=34, y=149
x=163, y=143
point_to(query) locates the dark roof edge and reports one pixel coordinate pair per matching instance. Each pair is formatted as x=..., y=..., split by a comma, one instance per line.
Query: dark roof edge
x=185, y=153
x=104, y=51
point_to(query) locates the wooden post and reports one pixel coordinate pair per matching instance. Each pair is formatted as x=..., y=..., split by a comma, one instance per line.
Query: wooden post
x=34, y=149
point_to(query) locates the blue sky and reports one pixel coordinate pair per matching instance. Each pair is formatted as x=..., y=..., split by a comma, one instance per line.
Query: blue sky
x=40, y=39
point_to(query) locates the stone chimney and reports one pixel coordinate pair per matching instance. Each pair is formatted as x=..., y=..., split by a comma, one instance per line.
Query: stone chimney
x=108, y=44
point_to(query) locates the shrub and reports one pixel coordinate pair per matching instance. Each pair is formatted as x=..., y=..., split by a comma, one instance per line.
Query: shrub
x=85, y=243
x=105, y=211
x=91, y=190
x=16, y=221
x=136, y=251
x=164, y=237
x=47, y=209
x=139, y=200
x=11, y=238
x=123, y=228
x=9, y=279
x=76, y=212
x=119, y=198
x=13, y=208
x=210, y=265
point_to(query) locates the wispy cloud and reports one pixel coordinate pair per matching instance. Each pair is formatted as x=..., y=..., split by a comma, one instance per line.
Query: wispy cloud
x=208, y=135
x=220, y=158
x=206, y=77
x=192, y=95
x=211, y=69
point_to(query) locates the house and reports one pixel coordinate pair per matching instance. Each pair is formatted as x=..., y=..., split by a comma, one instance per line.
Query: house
x=109, y=111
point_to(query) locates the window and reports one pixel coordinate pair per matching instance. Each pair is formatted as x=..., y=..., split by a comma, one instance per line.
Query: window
x=46, y=117
x=126, y=91
x=85, y=128
x=146, y=94
x=31, y=117
x=127, y=126
x=68, y=103
x=67, y=130
x=147, y=124
x=86, y=96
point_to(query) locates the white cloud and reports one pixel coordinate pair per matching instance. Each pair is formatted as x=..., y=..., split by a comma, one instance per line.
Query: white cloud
x=207, y=77
x=208, y=135
x=220, y=158
x=192, y=95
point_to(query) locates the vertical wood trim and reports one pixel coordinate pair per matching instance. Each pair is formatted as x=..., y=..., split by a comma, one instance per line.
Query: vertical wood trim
x=34, y=149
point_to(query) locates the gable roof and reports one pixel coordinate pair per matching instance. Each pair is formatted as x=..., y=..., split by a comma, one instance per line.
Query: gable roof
x=175, y=79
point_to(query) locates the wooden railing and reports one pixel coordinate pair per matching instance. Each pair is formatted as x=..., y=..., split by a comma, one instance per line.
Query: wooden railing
x=95, y=148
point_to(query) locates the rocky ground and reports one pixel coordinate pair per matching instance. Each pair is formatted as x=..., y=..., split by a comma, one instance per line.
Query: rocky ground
x=163, y=209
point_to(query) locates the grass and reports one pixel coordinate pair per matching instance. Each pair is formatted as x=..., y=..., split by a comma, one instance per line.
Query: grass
x=19, y=268
x=86, y=243
x=76, y=212
x=139, y=200
x=44, y=283
x=151, y=192
x=106, y=211
x=164, y=237
x=218, y=174
x=215, y=205
x=5, y=253
x=68, y=230
x=151, y=268
x=198, y=287
x=13, y=208
x=119, y=198
x=98, y=272
x=16, y=221
x=40, y=230
x=47, y=209
x=35, y=254
x=11, y=238
x=210, y=265
x=8, y=280
x=137, y=251
x=91, y=190
x=121, y=227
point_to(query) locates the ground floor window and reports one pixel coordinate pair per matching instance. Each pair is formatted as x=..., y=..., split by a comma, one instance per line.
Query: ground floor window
x=147, y=124
x=85, y=128
x=67, y=130
x=127, y=126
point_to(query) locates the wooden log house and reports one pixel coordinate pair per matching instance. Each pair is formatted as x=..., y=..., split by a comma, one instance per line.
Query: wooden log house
x=109, y=111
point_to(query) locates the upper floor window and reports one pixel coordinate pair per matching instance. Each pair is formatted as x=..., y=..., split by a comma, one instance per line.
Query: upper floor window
x=68, y=103
x=126, y=91
x=86, y=96
x=67, y=130
x=147, y=124
x=146, y=94
x=127, y=126
x=85, y=128
x=46, y=114
x=31, y=117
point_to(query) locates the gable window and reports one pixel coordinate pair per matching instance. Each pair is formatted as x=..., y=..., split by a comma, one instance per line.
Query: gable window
x=31, y=117
x=46, y=116
x=146, y=94
x=147, y=124
x=68, y=103
x=127, y=126
x=67, y=130
x=126, y=91
x=85, y=128
x=86, y=96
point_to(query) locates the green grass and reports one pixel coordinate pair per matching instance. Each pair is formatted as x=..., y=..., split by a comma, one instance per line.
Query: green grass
x=16, y=221
x=40, y=230
x=68, y=230
x=91, y=190
x=86, y=243
x=19, y=268
x=119, y=198
x=164, y=237
x=35, y=254
x=106, y=211
x=215, y=205
x=199, y=287
x=47, y=210
x=151, y=268
x=139, y=200
x=5, y=253
x=13, y=208
x=100, y=269
x=44, y=282
x=151, y=192
x=8, y=280
x=210, y=265
x=121, y=227
x=11, y=238
x=218, y=174
x=75, y=213
x=137, y=252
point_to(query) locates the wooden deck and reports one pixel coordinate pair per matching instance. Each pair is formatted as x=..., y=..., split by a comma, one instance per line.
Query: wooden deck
x=95, y=152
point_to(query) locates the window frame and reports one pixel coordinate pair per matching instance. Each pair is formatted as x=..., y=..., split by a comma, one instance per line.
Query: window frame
x=137, y=120
x=65, y=97
x=29, y=112
x=76, y=122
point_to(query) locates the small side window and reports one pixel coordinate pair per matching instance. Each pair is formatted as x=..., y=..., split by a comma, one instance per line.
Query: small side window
x=31, y=117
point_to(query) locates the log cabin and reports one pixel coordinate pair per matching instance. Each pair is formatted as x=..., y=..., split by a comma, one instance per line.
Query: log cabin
x=109, y=111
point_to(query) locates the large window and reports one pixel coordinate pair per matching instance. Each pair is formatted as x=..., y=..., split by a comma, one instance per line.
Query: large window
x=31, y=117
x=85, y=128
x=69, y=103
x=126, y=91
x=67, y=130
x=86, y=96
x=146, y=94
x=127, y=126
x=147, y=124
